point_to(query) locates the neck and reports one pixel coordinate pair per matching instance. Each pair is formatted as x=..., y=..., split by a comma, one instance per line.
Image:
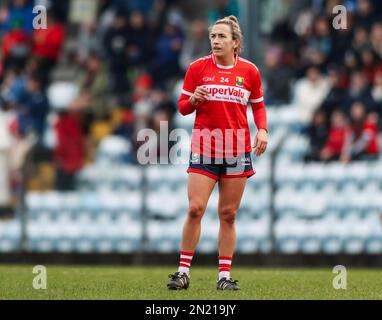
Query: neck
x=225, y=61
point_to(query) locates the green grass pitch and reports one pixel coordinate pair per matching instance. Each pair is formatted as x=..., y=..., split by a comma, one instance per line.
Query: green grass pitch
x=146, y=283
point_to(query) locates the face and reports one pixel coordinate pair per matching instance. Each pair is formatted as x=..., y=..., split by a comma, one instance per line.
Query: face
x=136, y=20
x=367, y=57
x=93, y=64
x=338, y=119
x=222, y=43
x=32, y=85
x=313, y=74
x=364, y=6
x=319, y=118
x=357, y=111
x=361, y=35
x=376, y=33
x=321, y=27
x=357, y=81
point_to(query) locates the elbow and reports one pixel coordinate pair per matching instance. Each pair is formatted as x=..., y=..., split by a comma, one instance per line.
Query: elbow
x=183, y=112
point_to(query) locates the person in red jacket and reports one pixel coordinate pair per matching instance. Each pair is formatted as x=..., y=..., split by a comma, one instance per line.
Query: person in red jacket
x=338, y=133
x=218, y=88
x=47, y=45
x=15, y=47
x=69, y=153
x=362, y=142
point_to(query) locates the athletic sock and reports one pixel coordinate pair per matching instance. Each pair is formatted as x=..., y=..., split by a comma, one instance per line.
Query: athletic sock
x=224, y=267
x=185, y=261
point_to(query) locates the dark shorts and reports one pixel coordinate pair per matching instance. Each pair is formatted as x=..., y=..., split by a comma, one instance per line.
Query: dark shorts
x=215, y=168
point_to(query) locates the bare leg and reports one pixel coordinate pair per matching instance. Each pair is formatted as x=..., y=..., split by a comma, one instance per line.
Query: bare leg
x=200, y=188
x=230, y=193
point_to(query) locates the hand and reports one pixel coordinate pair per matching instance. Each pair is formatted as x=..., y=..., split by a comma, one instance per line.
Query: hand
x=199, y=95
x=261, y=142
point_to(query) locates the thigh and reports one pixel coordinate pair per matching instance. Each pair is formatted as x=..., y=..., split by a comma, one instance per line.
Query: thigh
x=230, y=192
x=200, y=188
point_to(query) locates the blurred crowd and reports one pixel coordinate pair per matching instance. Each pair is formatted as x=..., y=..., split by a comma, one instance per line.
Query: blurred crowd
x=335, y=73
x=110, y=68
x=97, y=74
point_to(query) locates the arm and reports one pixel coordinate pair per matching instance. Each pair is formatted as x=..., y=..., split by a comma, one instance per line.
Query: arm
x=184, y=104
x=192, y=95
x=259, y=115
x=189, y=85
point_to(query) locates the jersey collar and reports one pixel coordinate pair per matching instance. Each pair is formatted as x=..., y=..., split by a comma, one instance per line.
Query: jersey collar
x=224, y=67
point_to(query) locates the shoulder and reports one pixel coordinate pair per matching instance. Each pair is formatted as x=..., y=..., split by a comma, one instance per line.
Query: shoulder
x=201, y=61
x=248, y=65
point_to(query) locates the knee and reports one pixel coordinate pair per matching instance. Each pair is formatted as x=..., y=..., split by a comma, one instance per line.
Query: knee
x=228, y=214
x=195, y=211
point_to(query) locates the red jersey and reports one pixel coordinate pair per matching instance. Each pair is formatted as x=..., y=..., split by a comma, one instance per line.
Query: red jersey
x=221, y=124
x=48, y=42
x=336, y=140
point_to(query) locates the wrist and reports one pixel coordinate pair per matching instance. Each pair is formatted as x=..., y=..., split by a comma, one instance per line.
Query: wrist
x=266, y=130
x=192, y=101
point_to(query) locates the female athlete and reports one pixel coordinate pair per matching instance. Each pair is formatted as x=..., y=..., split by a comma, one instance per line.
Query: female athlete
x=219, y=87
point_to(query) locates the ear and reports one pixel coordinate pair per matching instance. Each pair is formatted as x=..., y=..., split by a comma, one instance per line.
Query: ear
x=236, y=44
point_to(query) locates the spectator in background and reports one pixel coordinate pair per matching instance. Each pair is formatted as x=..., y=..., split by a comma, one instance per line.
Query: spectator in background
x=337, y=92
x=33, y=108
x=376, y=92
x=22, y=11
x=358, y=91
x=318, y=134
x=88, y=41
x=277, y=76
x=351, y=64
x=168, y=47
x=310, y=92
x=13, y=87
x=69, y=152
x=15, y=46
x=94, y=82
x=138, y=40
x=365, y=16
x=360, y=40
x=362, y=142
x=338, y=132
x=370, y=64
x=142, y=87
x=376, y=38
x=196, y=44
x=321, y=37
x=47, y=45
x=115, y=42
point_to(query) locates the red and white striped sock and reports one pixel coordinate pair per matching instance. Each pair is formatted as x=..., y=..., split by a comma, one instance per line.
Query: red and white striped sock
x=224, y=267
x=185, y=261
